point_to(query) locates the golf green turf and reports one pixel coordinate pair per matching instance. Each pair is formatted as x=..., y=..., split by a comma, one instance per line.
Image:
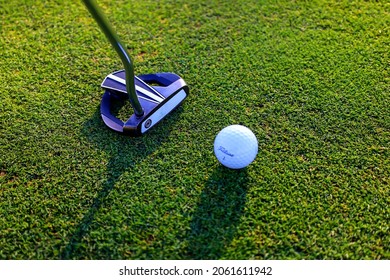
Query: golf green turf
x=309, y=78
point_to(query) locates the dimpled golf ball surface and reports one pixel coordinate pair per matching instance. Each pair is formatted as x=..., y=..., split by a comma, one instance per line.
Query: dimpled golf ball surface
x=235, y=146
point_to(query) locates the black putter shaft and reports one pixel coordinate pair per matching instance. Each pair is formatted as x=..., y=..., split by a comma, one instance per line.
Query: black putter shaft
x=115, y=42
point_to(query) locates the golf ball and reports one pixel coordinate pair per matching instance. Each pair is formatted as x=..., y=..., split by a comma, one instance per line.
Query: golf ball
x=235, y=146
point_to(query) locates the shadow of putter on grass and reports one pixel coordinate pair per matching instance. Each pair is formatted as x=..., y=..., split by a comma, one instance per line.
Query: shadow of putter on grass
x=217, y=216
x=125, y=152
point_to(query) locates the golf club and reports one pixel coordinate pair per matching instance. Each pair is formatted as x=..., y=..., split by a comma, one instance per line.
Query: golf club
x=152, y=96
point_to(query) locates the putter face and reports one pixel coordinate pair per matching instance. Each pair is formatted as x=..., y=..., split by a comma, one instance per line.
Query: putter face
x=159, y=94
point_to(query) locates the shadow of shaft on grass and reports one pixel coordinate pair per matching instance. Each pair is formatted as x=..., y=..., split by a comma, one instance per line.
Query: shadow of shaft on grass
x=218, y=214
x=71, y=250
x=124, y=153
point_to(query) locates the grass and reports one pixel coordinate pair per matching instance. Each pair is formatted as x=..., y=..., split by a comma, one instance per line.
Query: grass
x=310, y=78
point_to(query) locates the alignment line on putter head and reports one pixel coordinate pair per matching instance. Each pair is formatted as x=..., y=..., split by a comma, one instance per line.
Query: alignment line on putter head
x=152, y=95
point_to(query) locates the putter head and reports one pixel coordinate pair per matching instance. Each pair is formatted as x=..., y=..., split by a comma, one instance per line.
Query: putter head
x=159, y=94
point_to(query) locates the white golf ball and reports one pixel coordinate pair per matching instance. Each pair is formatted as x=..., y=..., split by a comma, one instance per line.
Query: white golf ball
x=235, y=146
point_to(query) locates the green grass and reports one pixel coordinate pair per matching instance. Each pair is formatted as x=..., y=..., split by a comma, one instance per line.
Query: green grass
x=310, y=78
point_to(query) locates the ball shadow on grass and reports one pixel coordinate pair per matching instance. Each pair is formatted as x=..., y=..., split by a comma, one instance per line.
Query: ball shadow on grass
x=125, y=152
x=218, y=214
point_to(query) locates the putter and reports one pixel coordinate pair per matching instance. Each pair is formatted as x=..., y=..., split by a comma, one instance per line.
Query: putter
x=152, y=96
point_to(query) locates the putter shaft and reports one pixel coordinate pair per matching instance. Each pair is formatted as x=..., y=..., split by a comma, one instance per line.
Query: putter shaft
x=115, y=42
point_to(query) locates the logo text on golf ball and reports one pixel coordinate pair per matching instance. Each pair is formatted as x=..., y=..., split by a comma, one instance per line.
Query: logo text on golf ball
x=226, y=152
